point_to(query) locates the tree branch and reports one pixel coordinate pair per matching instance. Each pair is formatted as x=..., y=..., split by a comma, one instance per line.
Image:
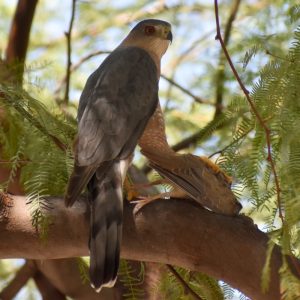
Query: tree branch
x=46, y=289
x=12, y=68
x=64, y=275
x=30, y=118
x=19, y=35
x=68, y=35
x=187, y=142
x=74, y=67
x=20, y=279
x=186, y=91
x=228, y=248
x=230, y=144
x=254, y=110
x=220, y=78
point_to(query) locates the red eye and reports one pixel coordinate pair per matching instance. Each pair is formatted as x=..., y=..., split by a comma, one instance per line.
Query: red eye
x=149, y=30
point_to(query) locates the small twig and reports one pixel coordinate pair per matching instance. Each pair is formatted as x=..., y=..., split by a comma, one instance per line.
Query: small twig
x=254, y=110
x=69, y=50
x=277, y=56
x=221, y=76
x=74, y=67
x=88, y=57
x=231, y=144
x=186, y=91
x=185, y=285
x=194, y=45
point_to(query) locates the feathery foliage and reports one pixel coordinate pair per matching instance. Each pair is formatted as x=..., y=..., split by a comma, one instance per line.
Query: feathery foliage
x=206, y=287
x=83, y=270
x=30, y=143
x=132, y=279
x=276, y=94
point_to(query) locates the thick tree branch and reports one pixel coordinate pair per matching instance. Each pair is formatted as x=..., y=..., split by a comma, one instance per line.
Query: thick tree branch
x=47, y=290
x=19, y=34
x=227, y=248
x=189, y=141
x=154, y=275
x=63, y=274
x=12, y=68
x=21, y=278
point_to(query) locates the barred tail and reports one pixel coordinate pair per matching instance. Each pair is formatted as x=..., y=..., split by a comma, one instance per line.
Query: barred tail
x=106, y=226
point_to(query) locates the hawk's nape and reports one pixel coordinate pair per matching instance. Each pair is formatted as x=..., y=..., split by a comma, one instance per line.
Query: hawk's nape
x=114, y=108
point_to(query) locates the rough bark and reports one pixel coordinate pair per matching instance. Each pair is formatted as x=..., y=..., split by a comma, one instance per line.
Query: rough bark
x=19, y=34
x=176, y=232
x=46, y=289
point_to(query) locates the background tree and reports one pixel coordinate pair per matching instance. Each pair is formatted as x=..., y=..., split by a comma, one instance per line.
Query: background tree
x=206, y=113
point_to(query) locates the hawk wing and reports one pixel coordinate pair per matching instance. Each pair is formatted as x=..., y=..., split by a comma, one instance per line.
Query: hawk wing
x=117, y=101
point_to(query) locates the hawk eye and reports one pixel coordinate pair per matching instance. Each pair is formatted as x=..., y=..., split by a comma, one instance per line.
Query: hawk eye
x=149, y=30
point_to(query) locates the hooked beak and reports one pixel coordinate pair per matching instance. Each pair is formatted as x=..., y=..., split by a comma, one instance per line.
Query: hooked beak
x=170, y=36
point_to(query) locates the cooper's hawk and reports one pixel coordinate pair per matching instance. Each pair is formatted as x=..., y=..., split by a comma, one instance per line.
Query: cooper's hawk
x=114, y=108
x=198, y=177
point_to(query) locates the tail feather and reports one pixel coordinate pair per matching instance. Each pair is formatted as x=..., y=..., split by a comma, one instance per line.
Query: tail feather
x=106, y=226
x=79, y=179
x=112, y=254
x=77, y=182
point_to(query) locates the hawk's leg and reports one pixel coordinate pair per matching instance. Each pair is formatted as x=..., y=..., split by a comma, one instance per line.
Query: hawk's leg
x=133, y=190
x=175, y=192
x=144, y=200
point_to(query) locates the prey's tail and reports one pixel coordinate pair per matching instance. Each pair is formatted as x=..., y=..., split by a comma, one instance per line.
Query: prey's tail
x=106, y=225
x=200, y=179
